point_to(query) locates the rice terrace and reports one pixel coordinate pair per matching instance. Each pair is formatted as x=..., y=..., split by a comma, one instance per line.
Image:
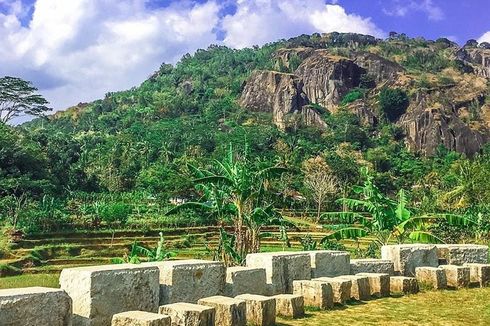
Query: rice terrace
x=244, y=162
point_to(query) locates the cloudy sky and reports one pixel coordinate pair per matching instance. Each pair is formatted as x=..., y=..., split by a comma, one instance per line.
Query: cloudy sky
x=78, y=50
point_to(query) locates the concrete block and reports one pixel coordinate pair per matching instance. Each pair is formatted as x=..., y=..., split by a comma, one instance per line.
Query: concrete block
x=383, y=266
x=341, y=288
x=229, y=311
x=403, y=284
x=242, y=280
x=431, y=277
x=140, y=318
x=35, y=306
x=189, y=314
x=459, y=254
x=282, y=268
x=479, y=274
x=315, y=294
x=360, y=289
x=457, y=276
x=189, y=280
x=290, y=305
x=261, y=310
x=407, y=257
x=99, y=292
x=329, y=263
x=379, y=284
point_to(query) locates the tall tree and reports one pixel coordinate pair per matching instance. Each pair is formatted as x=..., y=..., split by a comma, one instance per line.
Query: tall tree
x=18, y=97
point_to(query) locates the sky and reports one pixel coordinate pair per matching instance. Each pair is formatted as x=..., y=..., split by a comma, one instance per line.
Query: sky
x=78, y=50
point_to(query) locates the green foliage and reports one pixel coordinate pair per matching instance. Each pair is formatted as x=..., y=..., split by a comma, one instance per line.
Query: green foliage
x=426, y=61
x=393, y=102
x=352, y=96
x=308, y=243
x=159, y=253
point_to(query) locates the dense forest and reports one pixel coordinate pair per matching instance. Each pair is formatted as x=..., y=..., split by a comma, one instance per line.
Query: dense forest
x=125, y=160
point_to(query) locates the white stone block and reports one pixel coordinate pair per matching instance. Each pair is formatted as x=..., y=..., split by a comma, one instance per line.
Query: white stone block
x=189, y=314
x=140, y=318
x=383, y=266
x=35, y=306
x=379, y=284
x=407, y=257
x=99, y=292
x=479, y=274
x=329, y=263
x=290, y=305
x=261, y=310
x=459, y=254
x=315, y=294
x=431, y=277
x=229, y=311
x=242, y=280
x=341, y=288
x=360, y=289
x=457, y=276
x=403, y=284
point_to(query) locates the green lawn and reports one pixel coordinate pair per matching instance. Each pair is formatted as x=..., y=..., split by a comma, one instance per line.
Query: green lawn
x=27, y=280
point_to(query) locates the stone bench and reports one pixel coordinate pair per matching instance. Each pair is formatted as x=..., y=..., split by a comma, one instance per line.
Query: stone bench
x=379, y=284
x=315, y=294
x=261, y=310
x=479, y=274
x=140, y=318
x=459, y=254
x=383, y=266
x=189, y=280
x=228, y=311
x=457, y=276
x=189, y=314
x=341, y=288
x=431, y=277
x=290, y=305
x=99, y=292
x=407, y=257
x=35, y=306
x=242, y=280
x=328, y=263
x=282, y=268
x=403, y=284
x=360, y=289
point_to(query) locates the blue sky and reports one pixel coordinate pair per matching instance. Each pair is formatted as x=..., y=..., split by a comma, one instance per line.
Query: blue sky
x=78, y=50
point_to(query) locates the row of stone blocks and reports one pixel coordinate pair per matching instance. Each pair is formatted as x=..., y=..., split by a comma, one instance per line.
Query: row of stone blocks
x=453, y=276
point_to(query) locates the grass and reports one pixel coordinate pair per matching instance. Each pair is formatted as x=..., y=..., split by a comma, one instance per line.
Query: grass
x=462, y=307
x=27, y=280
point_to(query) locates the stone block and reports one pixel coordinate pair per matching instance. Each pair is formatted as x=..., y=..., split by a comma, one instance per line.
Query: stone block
x=459, y=254
x=229, y=311
x=35, y=306
x=99, y=292
x=329, y=263
x=457, y=276
x=383, y=266
x=403, y=284
x=407, y=257
x=290, y=305
x=261, y=310
x=431, y=277
x=282, y=268
x=242, y=280
x=189, y=314
x=379, y=284
x=140, y=318
x=341, y=288
x=315, y=294
x=479, y=274
x=360, y=289
x=189, y=280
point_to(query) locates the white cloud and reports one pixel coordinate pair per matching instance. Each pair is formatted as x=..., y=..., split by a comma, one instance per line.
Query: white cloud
x=260, y=21
x=78, y=50
x=401, y=8
x=485, y=37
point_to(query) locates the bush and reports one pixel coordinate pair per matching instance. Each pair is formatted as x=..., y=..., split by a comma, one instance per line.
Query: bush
x=393, y=102
x=115, y=213
x=352, y=96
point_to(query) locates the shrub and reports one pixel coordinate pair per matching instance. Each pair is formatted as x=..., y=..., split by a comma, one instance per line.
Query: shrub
x=352, y=96
x=393, y=102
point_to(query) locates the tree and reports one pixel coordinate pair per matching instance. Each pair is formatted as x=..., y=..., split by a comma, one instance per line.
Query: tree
x=18, y=97
x=393, y=102
x=320, y=181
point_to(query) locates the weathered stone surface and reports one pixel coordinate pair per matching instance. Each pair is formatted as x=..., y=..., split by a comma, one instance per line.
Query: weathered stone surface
x=341, y=288
x=459, y=254
x=140, y=318
x=188, y=314
x=290, y=305
x=379, y=284
x=383, y=266
x=431, y=277
x=329, y=263
x=35, y=306
x=282, y=268
x=407, y=257
x=261, y=310
x=242, y=280
x=229, y=311
x=315, y=294
x=479, y=58
x=457, y=276
x=403, y=284
x=360, y=289
x=189, y=280
x=377, y=66
x=99, y=292
x=479, y=274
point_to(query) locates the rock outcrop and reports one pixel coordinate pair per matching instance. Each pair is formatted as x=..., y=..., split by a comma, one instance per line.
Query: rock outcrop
x=479, y=58
x=377, y=66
